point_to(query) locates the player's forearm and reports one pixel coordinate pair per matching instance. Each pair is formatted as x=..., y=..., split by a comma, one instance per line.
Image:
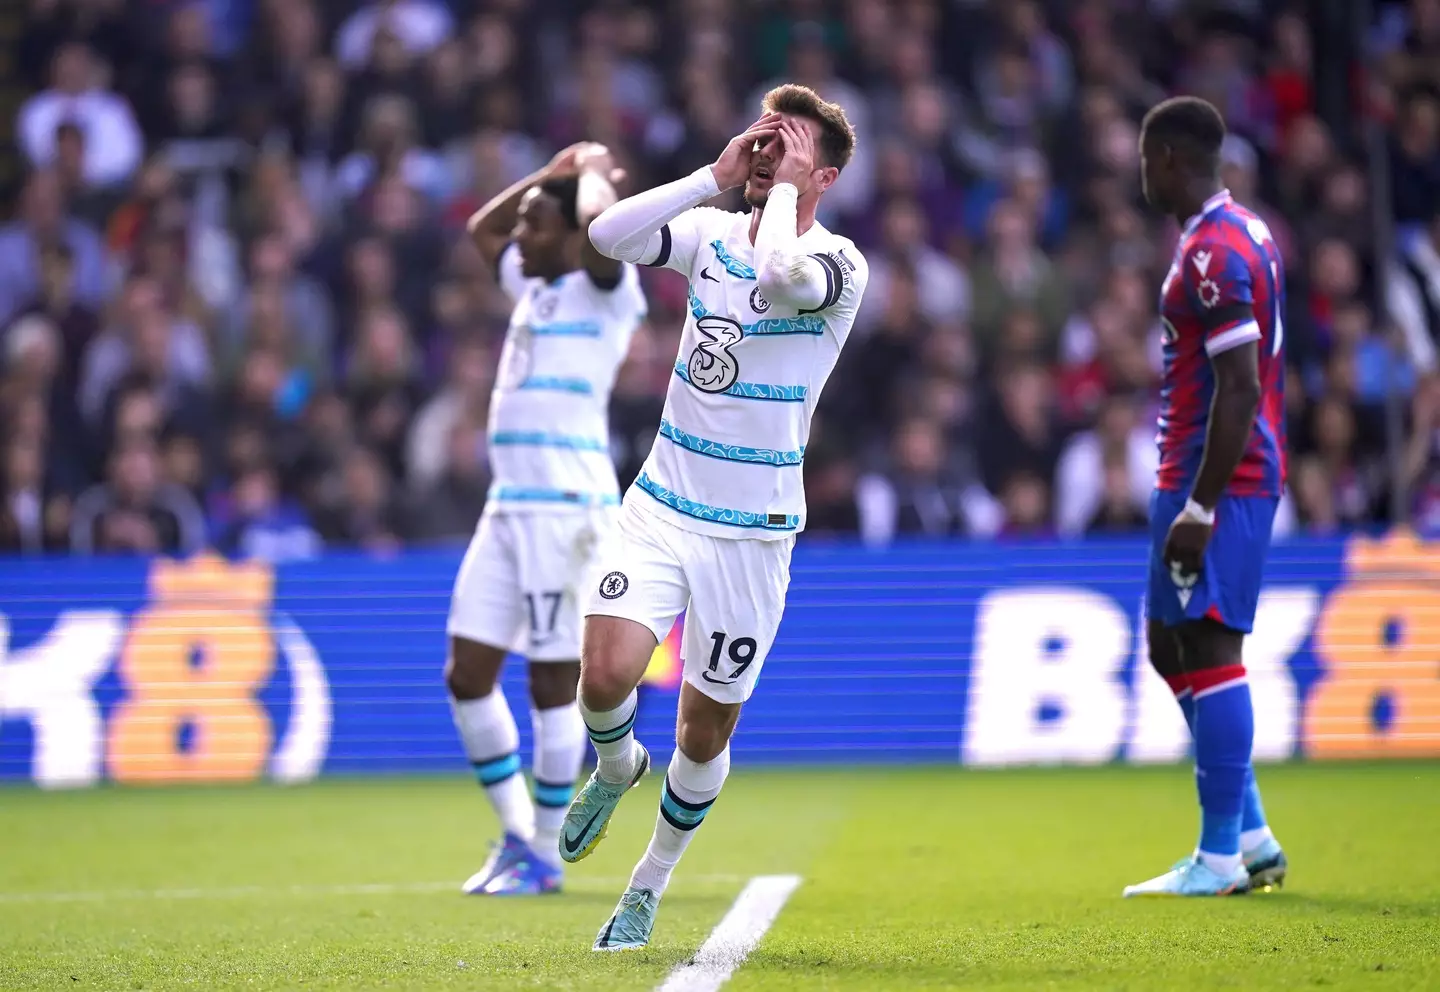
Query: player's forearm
x=496, y=218
x=623, y=231
x=784, y=273
x=1232, y=418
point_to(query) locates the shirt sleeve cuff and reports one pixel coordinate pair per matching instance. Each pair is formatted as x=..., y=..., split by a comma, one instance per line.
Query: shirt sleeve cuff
x=1233, y=337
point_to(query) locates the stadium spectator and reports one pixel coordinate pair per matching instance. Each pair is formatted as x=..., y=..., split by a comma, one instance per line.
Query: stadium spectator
x=363, y=510
x=1093, y=464
x=1413, y=294
x=135, y=511
x=113, y=144
x=238, y=259
x=147, y=338
x=918, y=494
x=463, y=400
x=419, y=25
x=258, y=523
x=43, y=219
x=448, y=507
x=23, y=522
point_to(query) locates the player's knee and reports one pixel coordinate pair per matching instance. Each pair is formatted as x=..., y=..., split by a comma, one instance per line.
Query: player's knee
x=603, y=685
x=472, y=669
x=553, y=684
x=702, y=740
x=703, y=727
x=613, y=657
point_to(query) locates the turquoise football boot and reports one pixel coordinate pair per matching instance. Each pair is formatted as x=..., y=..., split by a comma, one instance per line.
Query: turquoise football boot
x=1193, y=878
x=589, y=815
x=629, y=926
x=1267, y=866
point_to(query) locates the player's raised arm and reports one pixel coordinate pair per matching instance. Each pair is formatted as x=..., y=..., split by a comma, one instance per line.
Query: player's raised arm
x=595, y=193
x=784, y=273
x=490, y=226
x=637, y=228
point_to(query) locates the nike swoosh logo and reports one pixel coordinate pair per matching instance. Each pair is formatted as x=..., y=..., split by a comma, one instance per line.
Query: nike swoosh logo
x=573, y=845
x=705, y=274
x=713, y=680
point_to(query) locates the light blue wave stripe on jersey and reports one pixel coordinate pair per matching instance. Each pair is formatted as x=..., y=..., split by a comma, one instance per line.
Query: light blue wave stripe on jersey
x=717, y=514
x=754, y=390
x=733, y=265
x=556, y=384
x=730, y=452
x=567, y=329
x=539, y=494
x=804, y=324
x=544, y=439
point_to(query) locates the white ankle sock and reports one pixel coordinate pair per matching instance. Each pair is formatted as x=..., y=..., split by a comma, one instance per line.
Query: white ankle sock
x=492, y=741
x=559, y=749
x=689, y=790
x=1223, y=865
x=613, y=734
x=1251, y=839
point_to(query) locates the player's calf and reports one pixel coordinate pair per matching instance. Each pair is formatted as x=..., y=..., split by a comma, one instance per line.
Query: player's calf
x=492, y=743
x=690, y=789
x=613, y=659
x=558, y=731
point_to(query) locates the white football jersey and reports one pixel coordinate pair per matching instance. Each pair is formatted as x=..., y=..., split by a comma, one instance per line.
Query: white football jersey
x=549, y=430
x=728, y=459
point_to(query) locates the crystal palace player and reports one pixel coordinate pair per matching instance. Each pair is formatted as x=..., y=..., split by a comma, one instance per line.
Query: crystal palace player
x=1222, y=467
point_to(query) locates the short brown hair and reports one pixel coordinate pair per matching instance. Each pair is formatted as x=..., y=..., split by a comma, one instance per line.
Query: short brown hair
x=837, y=137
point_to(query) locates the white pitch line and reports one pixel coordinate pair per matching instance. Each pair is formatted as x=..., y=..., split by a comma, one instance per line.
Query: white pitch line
x=735, y=936
x=251, y=891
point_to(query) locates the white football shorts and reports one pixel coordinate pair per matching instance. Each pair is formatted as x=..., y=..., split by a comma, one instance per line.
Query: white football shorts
x=519, y=585
x=731, y=591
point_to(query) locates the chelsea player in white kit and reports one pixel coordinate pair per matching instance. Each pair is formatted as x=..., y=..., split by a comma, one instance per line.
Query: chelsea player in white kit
x=553, y=500
x=709, y=524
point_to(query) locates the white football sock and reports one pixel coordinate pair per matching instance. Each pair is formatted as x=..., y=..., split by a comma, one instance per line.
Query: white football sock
x=613, y=734
x=689, y=790
x=559, y=749
x=1223, y=865
x=1251, y=839
x=492, y=743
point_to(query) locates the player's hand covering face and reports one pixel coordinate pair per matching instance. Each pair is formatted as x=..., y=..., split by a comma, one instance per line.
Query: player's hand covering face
x=797, y=160
x=733, y=166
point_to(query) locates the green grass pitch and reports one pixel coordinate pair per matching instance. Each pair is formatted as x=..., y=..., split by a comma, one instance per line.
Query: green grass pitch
x=913, y=879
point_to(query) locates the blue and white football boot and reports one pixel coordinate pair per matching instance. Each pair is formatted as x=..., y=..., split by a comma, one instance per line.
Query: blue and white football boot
x=528, y=877
x=588, y=818
x=502, y=855
x=1267, y=866
x=513, y=869
x=1193, y=877
x=629, y=927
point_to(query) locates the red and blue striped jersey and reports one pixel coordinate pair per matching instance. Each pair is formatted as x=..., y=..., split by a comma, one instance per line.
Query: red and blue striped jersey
x=1225, y=288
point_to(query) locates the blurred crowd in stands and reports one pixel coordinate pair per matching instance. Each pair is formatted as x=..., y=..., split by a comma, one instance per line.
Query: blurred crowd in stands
x=238, y=310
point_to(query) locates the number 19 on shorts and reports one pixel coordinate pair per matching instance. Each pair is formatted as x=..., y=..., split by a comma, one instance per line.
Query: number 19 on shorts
x=734, y=655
